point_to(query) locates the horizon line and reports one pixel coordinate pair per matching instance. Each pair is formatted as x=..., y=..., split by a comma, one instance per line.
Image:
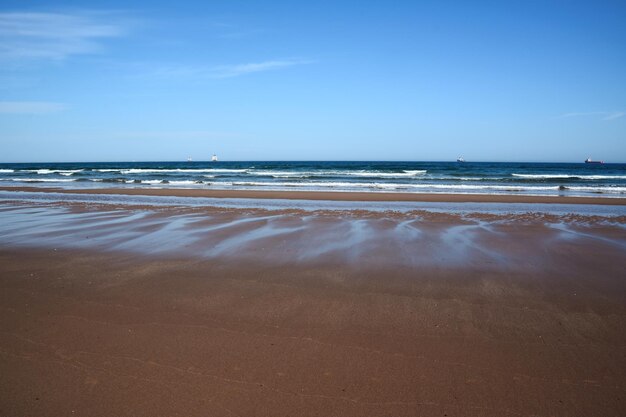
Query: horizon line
x=306, y=160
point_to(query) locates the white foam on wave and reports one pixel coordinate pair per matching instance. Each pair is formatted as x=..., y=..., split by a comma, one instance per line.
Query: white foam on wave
x=158, y=170
x=425, y=187
x=295, y=184
x=4, y=171
x=45, y=171
x=146, y=181
x=268, y=172
x=110, y=180
x=283, y=174
x=186, y=182
x=335, y=184
x=336, y=173
x=40, y=180
x=404, y=174
x=159, y=182
x=182, y=170
x=611, y=190
x=570, y=176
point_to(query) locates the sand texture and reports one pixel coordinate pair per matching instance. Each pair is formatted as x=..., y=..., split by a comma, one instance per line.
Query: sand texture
x=112, y=311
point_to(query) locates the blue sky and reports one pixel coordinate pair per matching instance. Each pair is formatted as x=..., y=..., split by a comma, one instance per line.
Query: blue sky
x=152, y=80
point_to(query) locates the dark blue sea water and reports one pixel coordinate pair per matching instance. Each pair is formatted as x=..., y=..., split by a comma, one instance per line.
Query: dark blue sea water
x=575, y=179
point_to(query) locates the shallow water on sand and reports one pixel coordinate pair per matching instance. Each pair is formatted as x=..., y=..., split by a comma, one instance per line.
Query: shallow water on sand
x=412, y=238
x=316, y=205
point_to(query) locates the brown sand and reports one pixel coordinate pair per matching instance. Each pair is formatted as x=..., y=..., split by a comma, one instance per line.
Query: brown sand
x=335, y=196
x=106, y=333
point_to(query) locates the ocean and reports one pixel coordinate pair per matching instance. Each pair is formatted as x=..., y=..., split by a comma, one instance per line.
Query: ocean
x=569, y=179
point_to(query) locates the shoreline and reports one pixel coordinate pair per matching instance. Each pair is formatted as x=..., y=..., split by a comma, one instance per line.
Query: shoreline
x=333, y=195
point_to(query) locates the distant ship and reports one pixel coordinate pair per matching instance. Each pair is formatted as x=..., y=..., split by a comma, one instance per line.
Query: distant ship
x=189, y=159
x=590, y=161
x=460, y=159
x=214, y=158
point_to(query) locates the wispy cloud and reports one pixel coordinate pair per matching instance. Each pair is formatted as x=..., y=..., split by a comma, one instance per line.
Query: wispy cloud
x=581, y=114
x=225, y=71
x=55, y=36
x=30, y=107
x=242, y=69
x=615, y=115
x=603, y=115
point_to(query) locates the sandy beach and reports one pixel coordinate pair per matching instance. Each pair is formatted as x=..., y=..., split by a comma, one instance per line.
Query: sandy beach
x=112, y=310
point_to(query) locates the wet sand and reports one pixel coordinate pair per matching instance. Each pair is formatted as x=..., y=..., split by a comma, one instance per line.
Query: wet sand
x=334, y=196
x=161, y=312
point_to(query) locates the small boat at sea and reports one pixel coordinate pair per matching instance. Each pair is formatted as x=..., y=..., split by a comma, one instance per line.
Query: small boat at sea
x=590, y=161
x=189, y=159
x=460, y=159
x=214, y=158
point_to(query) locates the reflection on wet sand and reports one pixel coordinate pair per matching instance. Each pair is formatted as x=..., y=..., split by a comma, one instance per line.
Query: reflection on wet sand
x=291, y=237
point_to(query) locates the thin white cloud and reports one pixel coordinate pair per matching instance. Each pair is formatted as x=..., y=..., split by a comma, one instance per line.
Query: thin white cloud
x=582, y=114
x=604, y=115
x=55, y=36
x=30, y=107
x=224, y=71
x=615, y=115
x=242, y=69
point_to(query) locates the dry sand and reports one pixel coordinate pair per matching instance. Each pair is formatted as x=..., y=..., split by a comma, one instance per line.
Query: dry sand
x=520, y=318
